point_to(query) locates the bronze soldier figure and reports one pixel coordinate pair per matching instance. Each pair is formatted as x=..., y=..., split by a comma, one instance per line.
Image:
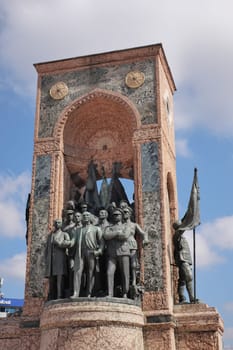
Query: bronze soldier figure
x=118, y=252
x=183, y=260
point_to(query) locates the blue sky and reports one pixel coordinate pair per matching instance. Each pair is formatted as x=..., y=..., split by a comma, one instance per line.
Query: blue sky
x=198, y=41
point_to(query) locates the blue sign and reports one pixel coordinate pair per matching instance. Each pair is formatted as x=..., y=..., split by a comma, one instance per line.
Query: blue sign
x=6, y=302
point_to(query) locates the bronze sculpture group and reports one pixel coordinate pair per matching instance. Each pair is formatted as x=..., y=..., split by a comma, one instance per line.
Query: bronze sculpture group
x=88, y=253
x=93, y=251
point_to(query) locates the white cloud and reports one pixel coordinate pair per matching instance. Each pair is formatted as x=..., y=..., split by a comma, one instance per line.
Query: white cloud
x=182, y=148
x=212, y=239
x=16, y=185
x=13, y=197
x=219, y=232
x=205, y=97
x=206, y=254
x=13, y=267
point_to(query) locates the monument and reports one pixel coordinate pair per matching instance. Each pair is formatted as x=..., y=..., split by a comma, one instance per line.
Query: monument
x=101, y=119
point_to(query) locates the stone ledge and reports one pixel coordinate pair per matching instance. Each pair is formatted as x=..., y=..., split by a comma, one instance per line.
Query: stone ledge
x=9, y=327
x=197, y=318
x=91, y=312
x=94, y=300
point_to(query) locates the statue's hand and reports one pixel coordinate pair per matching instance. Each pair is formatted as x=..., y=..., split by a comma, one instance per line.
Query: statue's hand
x=66, y=243
x=97, y=252
x=71, y=264
x=145, y=242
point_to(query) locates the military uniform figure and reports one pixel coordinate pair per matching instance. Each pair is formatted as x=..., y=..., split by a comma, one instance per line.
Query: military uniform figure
x=183, y=260
x=133, y=229
x=118, y=253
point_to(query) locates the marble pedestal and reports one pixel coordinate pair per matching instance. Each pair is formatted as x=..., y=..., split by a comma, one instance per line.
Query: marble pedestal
x=96, y=324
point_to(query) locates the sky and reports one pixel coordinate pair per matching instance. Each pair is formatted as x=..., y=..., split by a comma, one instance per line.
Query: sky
x=197, y=38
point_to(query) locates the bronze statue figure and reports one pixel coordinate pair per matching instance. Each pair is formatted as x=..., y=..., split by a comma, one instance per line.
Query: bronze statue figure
x=133, y=229
x=118, y=252
x=73, y=230
x=183, y=260
x=78, y=219
x=55, y=256
x=69, y=223
x=89, y=246
x=103, y=219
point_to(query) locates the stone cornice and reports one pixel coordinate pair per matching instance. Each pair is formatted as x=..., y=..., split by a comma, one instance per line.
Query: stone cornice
x=114, y=57
x=46, y=145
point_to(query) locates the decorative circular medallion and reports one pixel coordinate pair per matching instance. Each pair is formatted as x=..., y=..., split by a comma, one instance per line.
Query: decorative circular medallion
x=58, y=91
x=134, y=79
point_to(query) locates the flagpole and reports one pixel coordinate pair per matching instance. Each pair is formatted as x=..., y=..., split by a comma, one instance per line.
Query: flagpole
x=194, y=263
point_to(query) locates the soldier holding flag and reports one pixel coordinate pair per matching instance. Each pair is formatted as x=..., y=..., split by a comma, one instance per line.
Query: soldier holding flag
x=182, y=254
x=183, y=260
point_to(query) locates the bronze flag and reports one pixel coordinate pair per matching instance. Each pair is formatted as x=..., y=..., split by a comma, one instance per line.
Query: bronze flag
x=191, y=218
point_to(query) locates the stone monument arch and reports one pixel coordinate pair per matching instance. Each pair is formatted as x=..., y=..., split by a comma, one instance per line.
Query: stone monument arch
x=98, y=126
x=95, y=112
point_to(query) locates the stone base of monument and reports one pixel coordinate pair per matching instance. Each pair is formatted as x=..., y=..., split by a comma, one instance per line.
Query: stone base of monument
x=198, y=326
x=113, y=323
x=103, y=323
x=190, y=326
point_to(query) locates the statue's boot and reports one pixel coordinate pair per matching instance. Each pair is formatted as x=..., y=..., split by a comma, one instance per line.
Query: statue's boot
x=110, y=286
x=182, y=298
x=190, y=292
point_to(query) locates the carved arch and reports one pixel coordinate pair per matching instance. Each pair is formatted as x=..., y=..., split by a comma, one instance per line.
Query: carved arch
x=96, y=93
x=98, y=126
